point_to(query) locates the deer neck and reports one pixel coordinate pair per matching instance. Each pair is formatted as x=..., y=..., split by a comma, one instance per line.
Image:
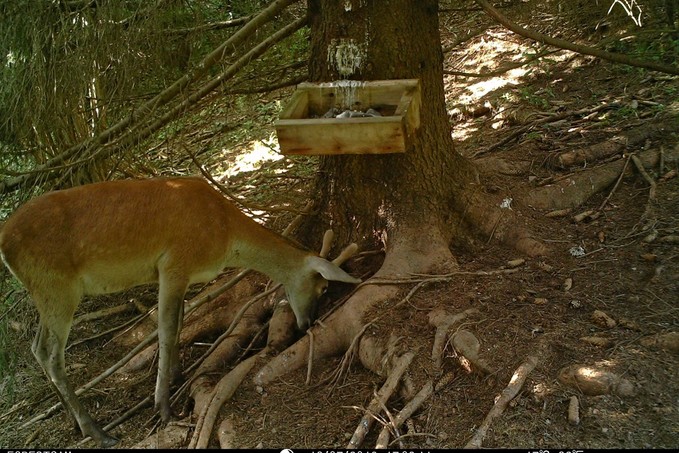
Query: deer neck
x=264, y=251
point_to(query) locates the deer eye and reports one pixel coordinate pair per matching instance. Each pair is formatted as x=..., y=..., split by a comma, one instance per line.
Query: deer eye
x=323, y=290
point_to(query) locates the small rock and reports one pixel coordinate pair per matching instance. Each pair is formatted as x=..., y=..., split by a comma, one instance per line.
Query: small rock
x=598, y=341
x=603, y=320
x=629, y=324
x=667, y=341
x=574, y=411
x=595, y=381
x=545, y=267
x=515, y=263
x=575, y=304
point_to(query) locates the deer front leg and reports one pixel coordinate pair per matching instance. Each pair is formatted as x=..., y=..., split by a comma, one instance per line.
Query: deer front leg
x=48, y=348
x=170, y=316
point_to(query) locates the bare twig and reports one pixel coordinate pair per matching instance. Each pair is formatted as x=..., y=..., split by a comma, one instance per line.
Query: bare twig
x=106, y=312
x=613, y=57
x=310, y=361
x=617, y=183
x=400, y=366
x=408, y=410
x=508, y=394
x=648, y=215
x=549, y=119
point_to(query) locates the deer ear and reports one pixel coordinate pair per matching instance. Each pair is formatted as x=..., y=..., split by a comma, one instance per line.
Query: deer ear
x=329, y=271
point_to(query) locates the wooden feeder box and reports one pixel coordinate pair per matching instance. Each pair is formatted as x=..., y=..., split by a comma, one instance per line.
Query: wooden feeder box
x=302, y=129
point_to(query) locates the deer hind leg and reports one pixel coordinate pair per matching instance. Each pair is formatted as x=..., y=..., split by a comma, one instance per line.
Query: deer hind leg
x=170, y=315
x=48, y=348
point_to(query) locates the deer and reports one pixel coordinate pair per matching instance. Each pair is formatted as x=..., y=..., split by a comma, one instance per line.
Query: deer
x=109, y=236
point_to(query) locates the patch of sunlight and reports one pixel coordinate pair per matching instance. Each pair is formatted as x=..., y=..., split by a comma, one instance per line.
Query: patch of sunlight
x=253, y=155
x=492, y=52
x=463, y=131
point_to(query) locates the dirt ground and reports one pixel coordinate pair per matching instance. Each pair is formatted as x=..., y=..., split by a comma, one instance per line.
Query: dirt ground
x=527, y=312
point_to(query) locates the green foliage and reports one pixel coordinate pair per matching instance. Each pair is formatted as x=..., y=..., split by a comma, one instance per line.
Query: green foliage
x=13, y=296
x=70, y=73
x=536, y=97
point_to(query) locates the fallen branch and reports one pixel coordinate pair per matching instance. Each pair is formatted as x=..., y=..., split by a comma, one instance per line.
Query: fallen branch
x=648, y=216
x=615, y=187
x=405, y=413
x=613, y=57
x=400, y=366
x=506, y=396
x=548, y=119
x=573, y=191
x=106, y=312
x=617, y=144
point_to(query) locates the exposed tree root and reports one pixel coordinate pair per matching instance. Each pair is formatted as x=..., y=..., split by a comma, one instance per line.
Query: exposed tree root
x=443, y=321
x=226, y=434
x=573, y=191
x=610, y=147
x=221, y=393
x=508, y=394
x=427, y=250
x=495, y=218
x=379, y=401
x=468, y=346
x=409, y=409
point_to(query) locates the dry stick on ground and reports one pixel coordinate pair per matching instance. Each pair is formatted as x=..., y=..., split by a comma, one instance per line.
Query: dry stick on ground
x=347, y=359
x=576, y=189
x=400, y=366
x=506, y=396
x=614, y=145
x=613, y=57
x=310, y=361
x=409, y=409
x=129, y=323
x=549, y=119
x=106, y=312
x=648, y=216
x=615, y=187
x=405, y=413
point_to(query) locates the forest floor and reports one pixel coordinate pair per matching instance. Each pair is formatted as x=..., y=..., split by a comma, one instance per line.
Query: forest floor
x=544, y=307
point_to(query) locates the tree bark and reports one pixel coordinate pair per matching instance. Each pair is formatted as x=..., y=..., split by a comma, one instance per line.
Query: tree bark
x=403, y=200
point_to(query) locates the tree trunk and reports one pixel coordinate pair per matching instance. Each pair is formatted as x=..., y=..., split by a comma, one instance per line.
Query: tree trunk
x=403, y=200
x=412, y=202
